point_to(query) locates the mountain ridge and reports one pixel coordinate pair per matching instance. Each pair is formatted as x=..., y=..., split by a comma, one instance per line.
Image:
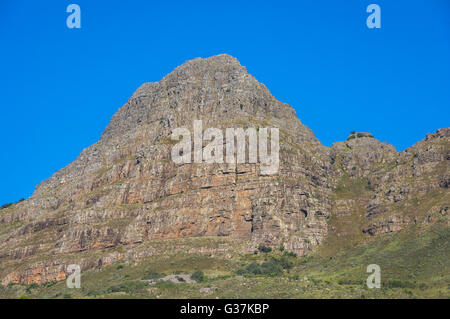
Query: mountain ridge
x=124, y=191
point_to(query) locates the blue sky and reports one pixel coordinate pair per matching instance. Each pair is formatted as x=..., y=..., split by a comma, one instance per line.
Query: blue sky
x=59, y=87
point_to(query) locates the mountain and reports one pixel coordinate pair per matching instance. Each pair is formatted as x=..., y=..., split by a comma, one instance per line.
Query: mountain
x=124, y=199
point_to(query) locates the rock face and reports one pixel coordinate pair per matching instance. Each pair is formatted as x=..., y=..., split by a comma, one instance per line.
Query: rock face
x=125, y=189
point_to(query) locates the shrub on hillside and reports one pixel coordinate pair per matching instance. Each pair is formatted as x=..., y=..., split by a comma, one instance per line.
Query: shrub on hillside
x=289, y=254
x=10, y=204
x=128, y=287
x=264, y=249
x=152, y=275
x=273, y=267
x=198, y=276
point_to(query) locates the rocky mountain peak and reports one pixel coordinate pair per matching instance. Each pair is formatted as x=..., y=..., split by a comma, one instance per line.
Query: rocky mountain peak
x=212, y=89
x=218, y=70
x=124, y=192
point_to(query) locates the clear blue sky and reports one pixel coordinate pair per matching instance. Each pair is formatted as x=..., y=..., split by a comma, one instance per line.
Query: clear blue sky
x=59, y=87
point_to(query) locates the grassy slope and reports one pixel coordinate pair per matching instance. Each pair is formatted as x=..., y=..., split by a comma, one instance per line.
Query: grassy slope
x=414, y=263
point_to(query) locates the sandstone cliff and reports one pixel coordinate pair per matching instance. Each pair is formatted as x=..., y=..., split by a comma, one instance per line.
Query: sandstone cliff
x=125, y=190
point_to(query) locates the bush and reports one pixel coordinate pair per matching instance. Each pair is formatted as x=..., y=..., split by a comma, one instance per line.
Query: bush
x=152, y=275
x=30, y=287
x=165, y=284
x=264, y=249
x=295, y=277
x=351, y=282
x=423, y=286
x=273, y=267
x=254, y=269
x=289, y=254
x=399, y=284
x=5, y=205
x=268, y=268
x=198, y=276
x=128, y=287
x=10, y=204
x=285, y=263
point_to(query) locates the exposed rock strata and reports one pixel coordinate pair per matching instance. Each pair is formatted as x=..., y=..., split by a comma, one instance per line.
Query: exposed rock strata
x=125, y=190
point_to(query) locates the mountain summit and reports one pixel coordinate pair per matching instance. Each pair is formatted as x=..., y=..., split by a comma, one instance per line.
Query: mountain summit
x=124, y=194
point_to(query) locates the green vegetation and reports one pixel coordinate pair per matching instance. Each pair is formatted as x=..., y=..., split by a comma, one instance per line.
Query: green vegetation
x=128, y=287
x=354, y=134
x=289, y=254
x=168, y=141
x=30, y=287
x=264, y=249
x=349, y=188
x=267, y=268
x=415, y=263
x=198, y=276
x=273, y=267
x=10, y=204
x=152, y=275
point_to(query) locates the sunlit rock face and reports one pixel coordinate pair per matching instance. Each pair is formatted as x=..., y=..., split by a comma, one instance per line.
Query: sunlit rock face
x=126, y=190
